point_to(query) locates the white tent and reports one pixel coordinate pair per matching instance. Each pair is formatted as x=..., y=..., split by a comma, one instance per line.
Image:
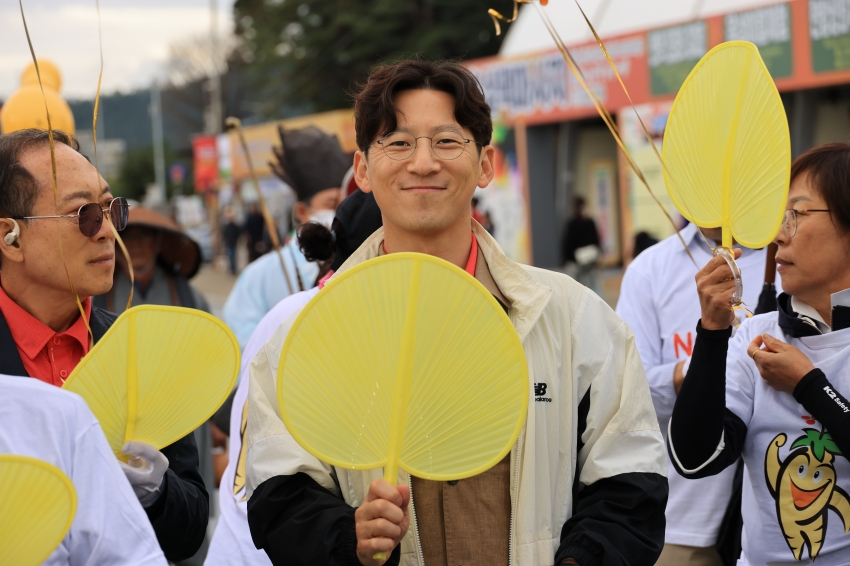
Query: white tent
x=610, y=18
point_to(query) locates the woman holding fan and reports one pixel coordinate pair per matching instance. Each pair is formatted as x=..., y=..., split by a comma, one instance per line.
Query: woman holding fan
x=774, y=393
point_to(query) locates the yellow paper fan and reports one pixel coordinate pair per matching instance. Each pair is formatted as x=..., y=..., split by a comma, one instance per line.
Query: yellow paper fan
x=727, y=149
x=39, y=503
x=157, y=374
x=404, y=361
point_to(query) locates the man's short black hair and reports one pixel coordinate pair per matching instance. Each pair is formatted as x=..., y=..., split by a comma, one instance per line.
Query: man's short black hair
x=374, y=104
x=18, y=187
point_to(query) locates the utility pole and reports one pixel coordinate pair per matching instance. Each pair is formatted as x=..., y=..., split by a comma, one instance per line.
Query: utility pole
x=214, y=112
x=214, y=119
x=158, y=151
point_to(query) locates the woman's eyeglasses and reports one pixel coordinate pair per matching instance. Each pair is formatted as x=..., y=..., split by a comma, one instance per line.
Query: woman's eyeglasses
x=790, y=222
x=90, y=216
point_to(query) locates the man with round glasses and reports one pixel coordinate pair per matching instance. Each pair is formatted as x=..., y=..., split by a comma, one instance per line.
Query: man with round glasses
x=585, y=484
x=447, y=145
x=49, y=240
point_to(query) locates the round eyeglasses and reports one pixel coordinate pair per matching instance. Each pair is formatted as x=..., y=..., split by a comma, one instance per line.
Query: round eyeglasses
x=790, y=222
x=449, y=145
x=90, y=216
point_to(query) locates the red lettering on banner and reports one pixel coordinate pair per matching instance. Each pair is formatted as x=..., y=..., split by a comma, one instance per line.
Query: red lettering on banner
x=687, y=348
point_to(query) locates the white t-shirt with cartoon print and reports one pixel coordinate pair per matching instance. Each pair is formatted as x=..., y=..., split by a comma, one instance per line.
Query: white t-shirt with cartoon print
x=659, y=302
x=796, y=485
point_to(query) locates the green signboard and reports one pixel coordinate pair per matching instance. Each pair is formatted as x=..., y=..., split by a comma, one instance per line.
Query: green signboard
x=829, y=30
x=770, y=30
x=673, y=52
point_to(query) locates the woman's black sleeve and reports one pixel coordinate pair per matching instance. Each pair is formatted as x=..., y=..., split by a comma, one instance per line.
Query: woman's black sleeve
x=704, y=436
x=817, y=395
x=298, y=522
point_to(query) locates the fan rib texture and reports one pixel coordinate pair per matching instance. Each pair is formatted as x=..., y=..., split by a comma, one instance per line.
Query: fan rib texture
x=728, y=147
x=132, y=379
x=421, y=355
x=157, y=374
x=50, y=502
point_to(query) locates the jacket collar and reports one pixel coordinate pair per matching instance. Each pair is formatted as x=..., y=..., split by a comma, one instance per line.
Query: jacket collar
x=527, y=297
x=797, y=327
x=10, y=359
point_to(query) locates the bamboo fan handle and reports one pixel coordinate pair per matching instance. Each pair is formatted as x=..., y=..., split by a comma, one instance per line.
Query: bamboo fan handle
x=404, y=374
x=729, y=256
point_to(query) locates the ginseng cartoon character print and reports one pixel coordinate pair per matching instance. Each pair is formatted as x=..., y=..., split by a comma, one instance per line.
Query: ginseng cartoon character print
x=803, y=484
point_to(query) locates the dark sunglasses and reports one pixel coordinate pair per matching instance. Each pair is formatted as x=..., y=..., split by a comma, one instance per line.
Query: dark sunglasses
x=90, y=216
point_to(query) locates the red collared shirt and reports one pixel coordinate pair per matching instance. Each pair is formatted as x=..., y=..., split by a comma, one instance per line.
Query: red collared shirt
x=46, y=355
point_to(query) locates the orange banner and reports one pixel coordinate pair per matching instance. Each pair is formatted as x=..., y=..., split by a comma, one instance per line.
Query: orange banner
x=804, y=43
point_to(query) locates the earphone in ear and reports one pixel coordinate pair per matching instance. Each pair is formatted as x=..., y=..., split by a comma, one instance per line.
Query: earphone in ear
x=10, y=238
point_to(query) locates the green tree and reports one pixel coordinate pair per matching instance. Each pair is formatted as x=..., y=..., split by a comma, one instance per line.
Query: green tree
x=137, y=172
x=308, y=56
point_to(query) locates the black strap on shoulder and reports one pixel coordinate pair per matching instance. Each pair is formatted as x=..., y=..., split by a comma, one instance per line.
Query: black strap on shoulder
x=100, y=321
x=185, y=297
x=10, y=359
x=102, y=301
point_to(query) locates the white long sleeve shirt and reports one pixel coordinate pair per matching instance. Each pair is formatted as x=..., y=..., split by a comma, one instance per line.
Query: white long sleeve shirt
x=56, y=426
x=659, y=301
x=262, y=285
x=231, y=544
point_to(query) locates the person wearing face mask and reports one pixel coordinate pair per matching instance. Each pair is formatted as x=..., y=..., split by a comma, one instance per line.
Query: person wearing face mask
x=357, y=218
x=164, y=259
x=313, y=164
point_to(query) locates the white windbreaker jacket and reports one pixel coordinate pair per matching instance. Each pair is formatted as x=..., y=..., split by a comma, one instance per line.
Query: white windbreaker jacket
x=590, y=421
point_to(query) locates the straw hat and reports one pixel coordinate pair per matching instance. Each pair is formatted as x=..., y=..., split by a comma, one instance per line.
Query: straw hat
x=178, y=252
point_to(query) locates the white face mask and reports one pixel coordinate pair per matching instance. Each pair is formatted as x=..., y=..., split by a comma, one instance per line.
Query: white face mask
x=323, y=217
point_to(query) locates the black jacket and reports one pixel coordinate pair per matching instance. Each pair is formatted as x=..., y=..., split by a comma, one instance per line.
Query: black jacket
x=179, y=517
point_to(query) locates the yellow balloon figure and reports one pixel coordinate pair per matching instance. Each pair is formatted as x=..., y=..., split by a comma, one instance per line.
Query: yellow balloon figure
x=25, y=108
x=727, y=150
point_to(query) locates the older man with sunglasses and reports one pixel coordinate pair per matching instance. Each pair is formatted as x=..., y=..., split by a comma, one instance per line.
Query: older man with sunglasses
x=49, y=240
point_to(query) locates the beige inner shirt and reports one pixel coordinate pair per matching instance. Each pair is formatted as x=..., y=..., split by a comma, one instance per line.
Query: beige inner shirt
x=467, y=523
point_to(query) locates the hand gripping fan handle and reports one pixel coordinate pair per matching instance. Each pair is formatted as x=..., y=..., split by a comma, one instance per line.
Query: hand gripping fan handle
x=729, y=256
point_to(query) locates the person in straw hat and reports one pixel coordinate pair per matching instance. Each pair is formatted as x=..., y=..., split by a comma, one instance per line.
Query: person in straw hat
x=164, y=259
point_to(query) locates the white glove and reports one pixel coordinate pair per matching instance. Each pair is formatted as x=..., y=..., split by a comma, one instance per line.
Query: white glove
x=145, y=471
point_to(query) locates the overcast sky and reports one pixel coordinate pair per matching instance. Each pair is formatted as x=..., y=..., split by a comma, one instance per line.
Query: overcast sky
x=136, y=35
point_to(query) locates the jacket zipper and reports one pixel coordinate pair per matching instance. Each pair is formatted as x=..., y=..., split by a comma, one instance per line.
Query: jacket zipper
x=415, y=524
x=515, y=497
x=537, y=318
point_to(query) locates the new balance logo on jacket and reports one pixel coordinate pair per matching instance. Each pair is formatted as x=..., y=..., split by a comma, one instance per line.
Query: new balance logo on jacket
x=540, y=392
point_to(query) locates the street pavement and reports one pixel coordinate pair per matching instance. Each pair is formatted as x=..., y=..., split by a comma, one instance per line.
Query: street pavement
x=214, y=281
